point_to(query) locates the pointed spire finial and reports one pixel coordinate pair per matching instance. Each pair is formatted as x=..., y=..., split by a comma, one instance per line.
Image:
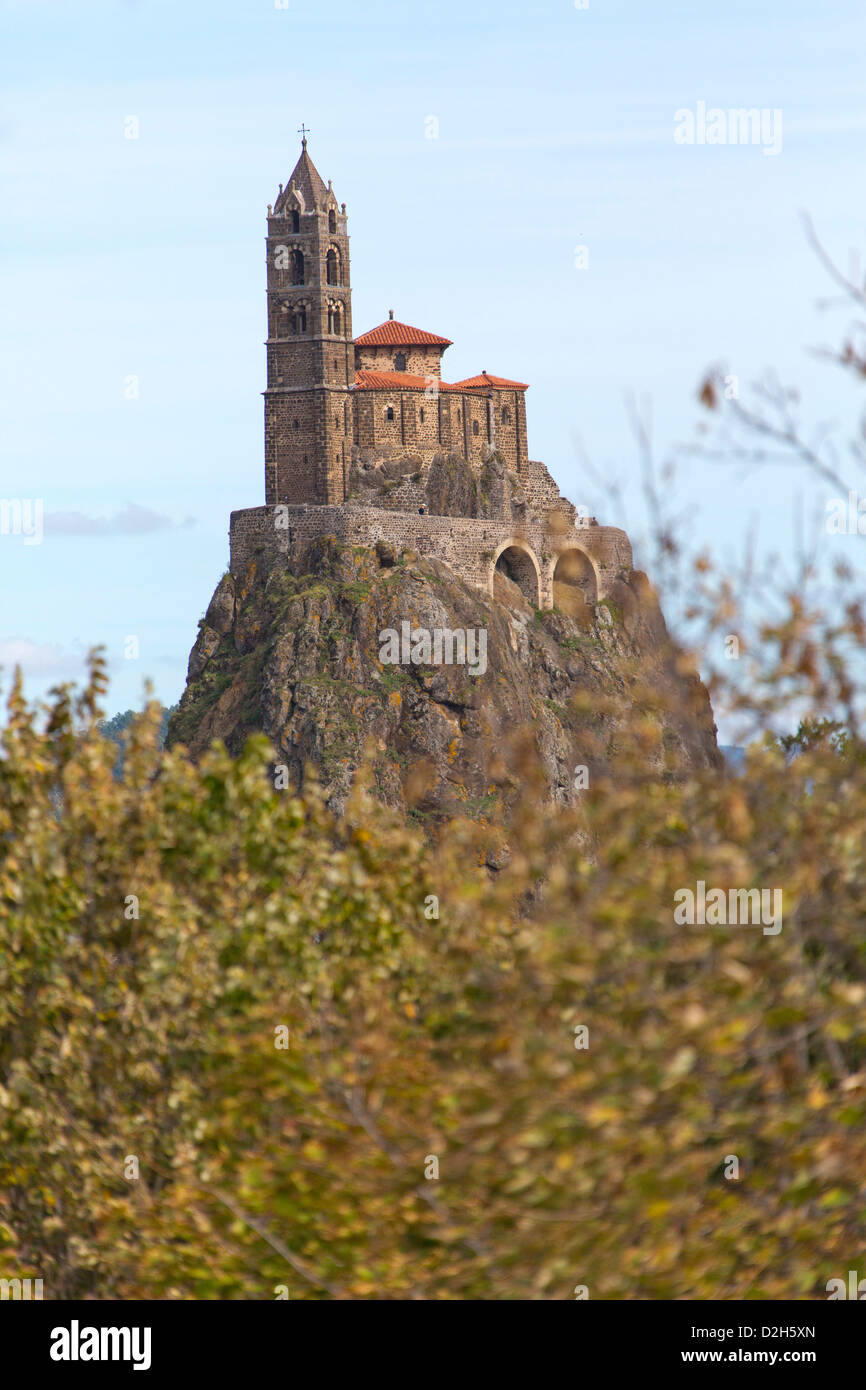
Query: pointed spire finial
x=390, y=313
x=303, y=131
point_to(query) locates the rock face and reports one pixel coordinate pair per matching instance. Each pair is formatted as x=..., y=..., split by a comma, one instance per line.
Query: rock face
x=309, y=659
x=446, y=485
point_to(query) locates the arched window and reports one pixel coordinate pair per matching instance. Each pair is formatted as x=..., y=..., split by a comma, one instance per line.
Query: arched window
x=421, y=415
x=296, y=220
x=332, y=267
x=296, y=424
x=335, y=319
x=298, y=320
x=296, y=267
x=458, y=415
x=506, y=415
x=332, y=221
x=400, y=362
x=389, y=413
x=474, y=426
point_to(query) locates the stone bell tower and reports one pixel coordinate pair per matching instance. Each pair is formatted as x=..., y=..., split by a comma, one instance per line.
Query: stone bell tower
x=311, y=357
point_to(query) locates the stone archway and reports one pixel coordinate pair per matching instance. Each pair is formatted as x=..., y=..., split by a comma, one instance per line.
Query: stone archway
x=574, y=582
x=516, y=561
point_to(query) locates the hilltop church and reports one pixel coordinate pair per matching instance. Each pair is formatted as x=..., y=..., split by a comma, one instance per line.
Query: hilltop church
x=366, y=441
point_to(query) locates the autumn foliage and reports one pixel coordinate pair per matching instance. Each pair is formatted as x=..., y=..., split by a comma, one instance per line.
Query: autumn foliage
x=260, y=1005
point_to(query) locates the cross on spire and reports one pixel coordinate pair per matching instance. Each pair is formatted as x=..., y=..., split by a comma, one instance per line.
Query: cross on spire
x=303, y=131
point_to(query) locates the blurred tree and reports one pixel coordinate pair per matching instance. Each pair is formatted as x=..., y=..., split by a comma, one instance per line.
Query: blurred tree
x=235, y=1052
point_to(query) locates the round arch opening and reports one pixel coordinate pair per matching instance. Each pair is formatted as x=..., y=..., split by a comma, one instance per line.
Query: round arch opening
x=518, y=565
x=575, y=585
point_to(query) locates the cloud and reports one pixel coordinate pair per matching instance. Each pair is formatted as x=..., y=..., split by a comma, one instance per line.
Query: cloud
x=131, y=520
x=41, y=659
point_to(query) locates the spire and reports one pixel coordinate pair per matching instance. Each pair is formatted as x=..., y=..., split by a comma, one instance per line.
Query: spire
x=306, y=180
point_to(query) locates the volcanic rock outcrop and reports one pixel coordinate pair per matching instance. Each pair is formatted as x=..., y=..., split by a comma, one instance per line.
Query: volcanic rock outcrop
x=296, y=650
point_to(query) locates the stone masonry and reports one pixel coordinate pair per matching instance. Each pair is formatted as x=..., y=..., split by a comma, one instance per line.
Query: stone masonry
x=470, y=547
x=366, y=442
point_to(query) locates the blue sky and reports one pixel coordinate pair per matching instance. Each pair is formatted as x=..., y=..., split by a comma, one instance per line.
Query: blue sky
x=143, y=258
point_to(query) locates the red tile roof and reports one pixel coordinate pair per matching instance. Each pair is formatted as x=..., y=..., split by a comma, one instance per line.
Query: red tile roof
x=485, y=379
x=394, y=334
x=397, y=381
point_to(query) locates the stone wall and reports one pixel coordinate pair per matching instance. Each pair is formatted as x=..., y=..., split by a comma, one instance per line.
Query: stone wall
x=470, y=422
x=541, y=490
x=302, y=430
x=506, y=424
x=422, y=359
x=469, y=547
